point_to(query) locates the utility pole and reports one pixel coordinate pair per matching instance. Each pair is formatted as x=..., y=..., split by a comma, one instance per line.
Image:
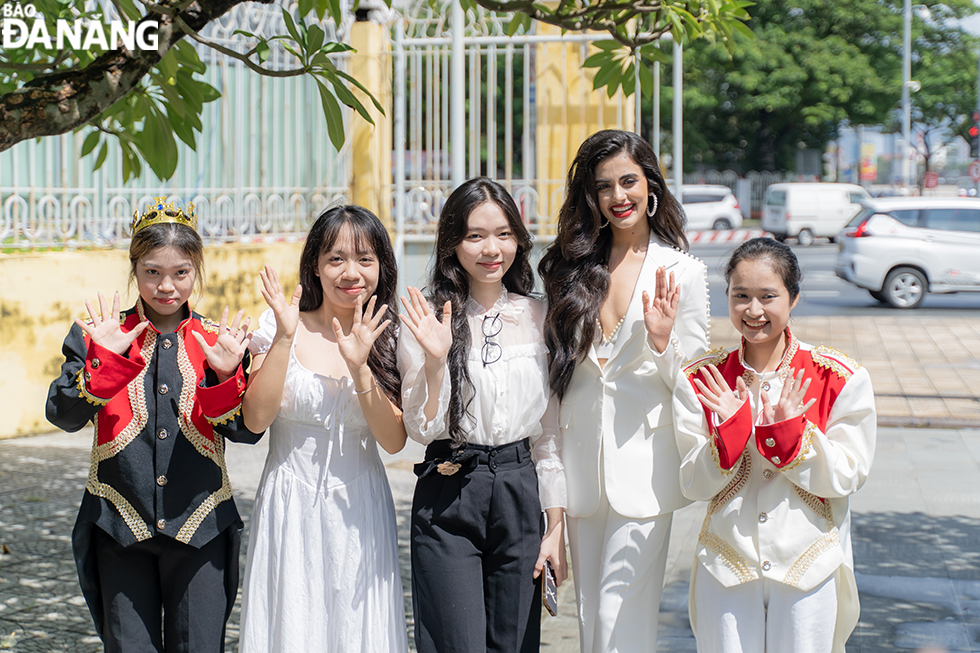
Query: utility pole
x=976, y=122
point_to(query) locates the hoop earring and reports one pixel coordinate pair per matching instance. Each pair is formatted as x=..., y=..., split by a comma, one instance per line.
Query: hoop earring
x=651, y=212
x=604, y=224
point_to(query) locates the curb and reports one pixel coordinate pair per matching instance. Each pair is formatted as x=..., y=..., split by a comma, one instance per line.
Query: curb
x=928, y=422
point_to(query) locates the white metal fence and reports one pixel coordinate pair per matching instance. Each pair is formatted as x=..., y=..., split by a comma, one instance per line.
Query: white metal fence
x=497, y=105
x=263, y=166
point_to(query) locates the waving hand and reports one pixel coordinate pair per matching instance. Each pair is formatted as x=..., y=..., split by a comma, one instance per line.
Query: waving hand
x=659, y=314
x=433, y=336
x=225, y=355
x=356, y=345
x=106, y=328
x=287, y=313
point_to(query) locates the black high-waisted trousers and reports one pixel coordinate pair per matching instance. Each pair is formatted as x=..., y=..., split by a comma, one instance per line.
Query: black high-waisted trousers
x=476, y=535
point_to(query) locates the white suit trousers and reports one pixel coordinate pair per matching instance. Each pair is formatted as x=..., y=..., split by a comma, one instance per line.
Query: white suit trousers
x=618, y=565
x=764, y=616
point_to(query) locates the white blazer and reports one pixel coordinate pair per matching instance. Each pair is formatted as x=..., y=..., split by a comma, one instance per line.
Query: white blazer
x=620, y=416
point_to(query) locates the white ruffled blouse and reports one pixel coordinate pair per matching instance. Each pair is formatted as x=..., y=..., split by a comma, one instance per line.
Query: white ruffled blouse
x=511, y=400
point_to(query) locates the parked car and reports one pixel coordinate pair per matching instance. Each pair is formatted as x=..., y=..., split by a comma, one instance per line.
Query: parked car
x=710, y=207
x=806, y=211
x=901, y=248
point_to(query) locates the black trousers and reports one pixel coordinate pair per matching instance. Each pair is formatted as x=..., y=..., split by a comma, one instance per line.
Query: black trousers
x=476, y=535
x=162, y=595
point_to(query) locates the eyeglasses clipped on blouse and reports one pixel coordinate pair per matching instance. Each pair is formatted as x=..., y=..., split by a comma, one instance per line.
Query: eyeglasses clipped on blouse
x=491, y=351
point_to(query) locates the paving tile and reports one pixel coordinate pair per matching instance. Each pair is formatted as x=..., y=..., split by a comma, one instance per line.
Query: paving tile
x=892, y=406
x=928, y=408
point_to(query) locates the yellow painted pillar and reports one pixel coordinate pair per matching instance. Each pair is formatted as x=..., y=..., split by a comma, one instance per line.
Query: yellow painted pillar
x=370, y=182
x=568, y=111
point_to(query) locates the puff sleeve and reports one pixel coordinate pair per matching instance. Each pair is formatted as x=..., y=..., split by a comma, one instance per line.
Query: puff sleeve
x=415, y=392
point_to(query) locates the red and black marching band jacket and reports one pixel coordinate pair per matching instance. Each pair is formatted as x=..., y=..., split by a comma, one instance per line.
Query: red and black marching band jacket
x=160, y=415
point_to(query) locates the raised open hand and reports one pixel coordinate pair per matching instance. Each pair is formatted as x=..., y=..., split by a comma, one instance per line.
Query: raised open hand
x=106, y=328
x=225, y=355
x=659, y=314
x=718, y=397
x=287, y=313
x=356, y=345
x=433, y=336
x=790, y=403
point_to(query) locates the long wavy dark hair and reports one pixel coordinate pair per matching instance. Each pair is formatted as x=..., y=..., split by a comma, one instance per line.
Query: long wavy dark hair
x=575, y=268
x=368, y=234
x=450, y=283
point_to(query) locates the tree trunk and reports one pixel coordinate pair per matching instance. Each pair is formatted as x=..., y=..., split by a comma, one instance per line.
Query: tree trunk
x=767, y=144
x=56, y=104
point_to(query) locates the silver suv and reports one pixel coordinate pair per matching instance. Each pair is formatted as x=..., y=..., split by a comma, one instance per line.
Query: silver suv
x=901, y=248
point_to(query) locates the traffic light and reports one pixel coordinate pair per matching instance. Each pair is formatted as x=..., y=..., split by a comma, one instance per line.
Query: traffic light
x=974, y=142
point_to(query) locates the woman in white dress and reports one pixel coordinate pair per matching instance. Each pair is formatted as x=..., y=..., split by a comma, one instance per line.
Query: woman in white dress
x=322, y=569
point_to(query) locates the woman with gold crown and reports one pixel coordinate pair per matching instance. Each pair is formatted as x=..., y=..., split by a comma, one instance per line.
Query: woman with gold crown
x=157, y=537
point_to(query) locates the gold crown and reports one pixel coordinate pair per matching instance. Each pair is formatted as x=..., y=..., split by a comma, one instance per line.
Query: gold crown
x=159, y=212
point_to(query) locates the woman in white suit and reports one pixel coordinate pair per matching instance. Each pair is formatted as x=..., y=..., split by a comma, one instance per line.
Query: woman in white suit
x=626, y=307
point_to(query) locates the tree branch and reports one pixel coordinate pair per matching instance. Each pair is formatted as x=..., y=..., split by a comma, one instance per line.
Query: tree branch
x=577, y=20
x=244, y=58
x=61, y=102
x=605, y=16
x=35, y=67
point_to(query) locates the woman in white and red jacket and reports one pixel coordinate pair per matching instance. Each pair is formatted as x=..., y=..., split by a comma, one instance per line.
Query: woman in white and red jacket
x=776, y=434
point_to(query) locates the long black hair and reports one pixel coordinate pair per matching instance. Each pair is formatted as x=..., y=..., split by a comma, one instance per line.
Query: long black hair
x=367, y=233
x=450, y=283
x=575, y=268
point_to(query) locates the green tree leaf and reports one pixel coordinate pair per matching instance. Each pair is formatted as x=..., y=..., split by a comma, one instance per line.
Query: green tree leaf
x=314, y=39
x=290, y=25
x=156, y=143
x=90, y=142
x=263, y=51
x=607, y=46
x=99, y=160
x=331, y=111
x=184, y=130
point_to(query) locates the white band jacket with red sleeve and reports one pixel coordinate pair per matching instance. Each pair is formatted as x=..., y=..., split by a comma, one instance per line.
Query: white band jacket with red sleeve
x=779, y=492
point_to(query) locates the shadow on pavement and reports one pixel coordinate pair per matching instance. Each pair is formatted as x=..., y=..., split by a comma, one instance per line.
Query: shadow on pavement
x=919, y=579
x=919, y=576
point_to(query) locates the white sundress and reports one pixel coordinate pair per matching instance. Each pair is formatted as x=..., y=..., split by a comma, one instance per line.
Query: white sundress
x=322, y=569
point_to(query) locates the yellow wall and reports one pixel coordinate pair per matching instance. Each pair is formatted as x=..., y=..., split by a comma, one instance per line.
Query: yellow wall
x=42, y=292
x=371, y=145
x=568, y=111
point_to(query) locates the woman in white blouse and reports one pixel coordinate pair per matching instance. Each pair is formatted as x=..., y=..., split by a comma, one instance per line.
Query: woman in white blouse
x=475, y=391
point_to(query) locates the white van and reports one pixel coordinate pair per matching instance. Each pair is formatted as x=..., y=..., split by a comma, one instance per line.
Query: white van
x=809, y=210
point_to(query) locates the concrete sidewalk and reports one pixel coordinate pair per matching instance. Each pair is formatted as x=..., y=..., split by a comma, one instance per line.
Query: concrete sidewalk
x=916, y=523
x=925, y=370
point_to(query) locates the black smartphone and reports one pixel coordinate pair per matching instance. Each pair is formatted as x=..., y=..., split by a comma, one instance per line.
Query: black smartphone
x=549, y=590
